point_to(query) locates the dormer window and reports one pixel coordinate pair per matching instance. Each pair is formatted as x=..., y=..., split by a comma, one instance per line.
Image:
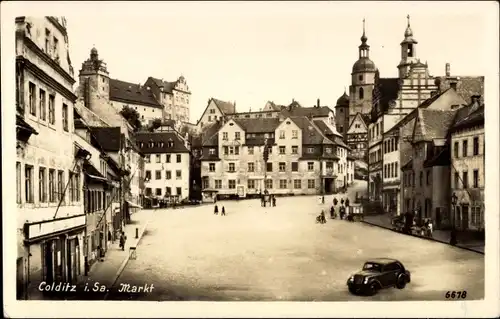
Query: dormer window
x=211, y=151
x=170, y=143
x=310, y=150
x=151, y=144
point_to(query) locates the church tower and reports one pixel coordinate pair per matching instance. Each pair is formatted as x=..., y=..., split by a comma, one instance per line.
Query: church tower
x=362, y=80
x=408, y=51
x=93, y=84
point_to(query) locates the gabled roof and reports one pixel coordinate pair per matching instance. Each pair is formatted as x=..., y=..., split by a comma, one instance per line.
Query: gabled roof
x=108, y=137
x=467, y=86
x=310, y=132
x=386, y=90
x=131, y=93
x=361, y=117
x=209, y=134
x=408, y=165
x=468, y=116
x=144, y=138
x=432, y=124
x=314, y=111
x=168, y=87
x=225, y=107
x=258, y=125
x=337, y=139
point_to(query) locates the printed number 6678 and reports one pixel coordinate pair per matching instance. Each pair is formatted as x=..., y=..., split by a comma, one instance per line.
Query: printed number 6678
x=456, y=294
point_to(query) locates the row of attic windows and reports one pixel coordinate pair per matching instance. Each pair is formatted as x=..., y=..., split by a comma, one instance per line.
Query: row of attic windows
x=152, y=144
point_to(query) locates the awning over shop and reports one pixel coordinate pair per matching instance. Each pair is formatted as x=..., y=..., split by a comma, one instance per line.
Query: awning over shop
x=133, y=205
x=93, y=173
x=210, y=190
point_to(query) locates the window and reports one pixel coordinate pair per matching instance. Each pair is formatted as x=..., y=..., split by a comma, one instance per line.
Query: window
x=158, y=192
x=209, y=118
x=464, y=148
x=455, y=149
x=297, y=184
x=43, y=107
x=251, y=167
x=465, y=179
x=52, y=110
x=341, y=129
x=428, y=177
x=251, y=184
x=157, y=174
x=250, y=150
x=360, y=77
x=457, y=180
x=224, y=136
x=282, y=166
x=147, y=158
x=206, y=183
x=32, y=98
x=476, y=146
x=282, y=183
x=310, y=150
x=282, y=135
x=211, y=167
x=28, y=184
x=282, y=150
x=269, y=183
x=178, y=174
x=178, y=158
x=269, y=167
x=211, y=151
x=476, y=178
x=77, y=187
x=148, y=175
x=396, y=169
x=158, y=158
x=178, y=190
x=310, y=166
x=71, y=182
x=65, y=118
x=168, y=158
x=148, y=191
x=18, y=183
x=168, y=191
x=295, y=134
x=421, y=179
x=232, y=184
x=295, y=166
x=361, y=93
x=47, y=41
x=295, y=149
x=42, y=185
x=218, y=184
x=270, y=150
x=311, y=183
x=60, y=185
x=236, y=150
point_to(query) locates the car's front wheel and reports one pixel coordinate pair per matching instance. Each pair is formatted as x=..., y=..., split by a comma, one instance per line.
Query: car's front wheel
x=374, y=288
x=401, y=283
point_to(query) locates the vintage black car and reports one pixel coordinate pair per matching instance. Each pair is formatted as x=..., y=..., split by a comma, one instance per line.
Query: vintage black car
x=377, y=274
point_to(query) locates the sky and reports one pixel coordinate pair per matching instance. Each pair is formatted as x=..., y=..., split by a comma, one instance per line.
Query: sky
x=254, y=52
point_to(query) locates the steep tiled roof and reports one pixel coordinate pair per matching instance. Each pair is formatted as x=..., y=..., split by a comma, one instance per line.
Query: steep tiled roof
x=131, y=93
x=255, y=141
x=467, y=86
x=408, y=165
x=107, y=137
x=258, y=125
x=225, y=107
x=386, y=90
x=168, y=87
x=432, y=124
x=209, y=134
x=468, y=116
x=310, y=133
x=326, y=131
x=321, y=111
x=145, y=138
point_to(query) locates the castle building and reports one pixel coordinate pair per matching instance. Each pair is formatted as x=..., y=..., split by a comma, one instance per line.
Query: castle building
x=175, y=97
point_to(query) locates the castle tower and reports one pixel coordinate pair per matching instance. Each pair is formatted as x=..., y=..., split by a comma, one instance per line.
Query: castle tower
x=93, y=81
x=342, y=115
x=408, y=51
x=362, y=80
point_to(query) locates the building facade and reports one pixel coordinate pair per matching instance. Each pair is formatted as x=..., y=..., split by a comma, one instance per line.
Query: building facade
x=467, y=171
x=175, y=97
x=51, y=220
x=167, y=166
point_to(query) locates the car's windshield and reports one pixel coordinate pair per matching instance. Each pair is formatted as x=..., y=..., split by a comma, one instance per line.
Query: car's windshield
x=372, y=267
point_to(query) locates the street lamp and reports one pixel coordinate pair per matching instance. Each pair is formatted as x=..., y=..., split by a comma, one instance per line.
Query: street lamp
x=454, y=200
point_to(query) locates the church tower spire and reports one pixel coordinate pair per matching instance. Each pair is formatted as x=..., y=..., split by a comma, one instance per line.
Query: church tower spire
x=364, y=48
x=408, y=51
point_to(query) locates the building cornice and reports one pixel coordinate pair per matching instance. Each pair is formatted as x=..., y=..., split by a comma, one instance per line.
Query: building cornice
x=47, y=59
x=47, y=79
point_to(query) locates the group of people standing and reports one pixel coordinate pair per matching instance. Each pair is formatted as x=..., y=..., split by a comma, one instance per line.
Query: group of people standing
x=272, y=200
x=344, y=205
x=216, y=209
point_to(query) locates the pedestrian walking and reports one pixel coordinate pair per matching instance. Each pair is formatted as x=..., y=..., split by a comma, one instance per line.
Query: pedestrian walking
x=430, y=228
x=342, y=201
x=342, y=212
x=223, y=211
x=123, y=239
x=347, y=202
x=335, y=201
x=274, y=201
x=332, y=212
x=216, y=210
x=453, y=237
x=323, y=218
x=323, y=199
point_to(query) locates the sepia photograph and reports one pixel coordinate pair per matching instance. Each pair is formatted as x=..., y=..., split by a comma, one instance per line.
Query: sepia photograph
x=257, y=157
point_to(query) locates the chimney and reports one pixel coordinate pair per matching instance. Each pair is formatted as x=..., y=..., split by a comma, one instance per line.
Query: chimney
x=453, y=85
x=447, y=69
x=317, y=102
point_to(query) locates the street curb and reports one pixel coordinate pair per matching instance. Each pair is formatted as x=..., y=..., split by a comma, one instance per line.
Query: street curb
x=426, y=238
x=126, y=260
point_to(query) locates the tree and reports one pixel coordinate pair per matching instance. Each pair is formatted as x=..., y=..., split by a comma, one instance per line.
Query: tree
x=132, y=116
x=155, y=124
